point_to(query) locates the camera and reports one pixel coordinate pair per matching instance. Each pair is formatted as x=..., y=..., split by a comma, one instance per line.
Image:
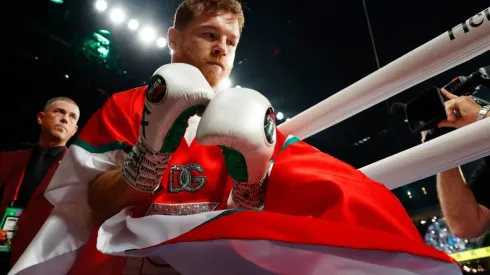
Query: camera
x=424, y=112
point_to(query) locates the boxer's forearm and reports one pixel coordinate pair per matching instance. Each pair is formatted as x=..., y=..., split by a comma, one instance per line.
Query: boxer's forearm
x=248, y=195
x=109, y=193
x=465, y=217
x=166, y=114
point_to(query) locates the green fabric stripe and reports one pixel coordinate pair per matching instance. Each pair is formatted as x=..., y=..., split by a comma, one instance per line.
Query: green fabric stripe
x=224, y=213
x=113, y=146
x=289, y=141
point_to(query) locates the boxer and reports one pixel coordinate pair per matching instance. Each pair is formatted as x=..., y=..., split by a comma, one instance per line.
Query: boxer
x=147, y=154
x=168, y=172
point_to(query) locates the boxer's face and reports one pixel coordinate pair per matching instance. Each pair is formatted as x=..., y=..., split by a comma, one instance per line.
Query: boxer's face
x=209, y=43
x=59, y=120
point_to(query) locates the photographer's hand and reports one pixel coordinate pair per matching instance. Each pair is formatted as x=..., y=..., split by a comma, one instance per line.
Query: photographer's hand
x=423, y=136
x=467, y=107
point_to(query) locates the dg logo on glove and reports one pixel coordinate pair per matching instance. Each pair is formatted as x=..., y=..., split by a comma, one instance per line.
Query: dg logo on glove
x=270, y=126
x=157, y=90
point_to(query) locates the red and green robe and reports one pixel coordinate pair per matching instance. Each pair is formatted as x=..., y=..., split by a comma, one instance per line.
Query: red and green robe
x=321, y=215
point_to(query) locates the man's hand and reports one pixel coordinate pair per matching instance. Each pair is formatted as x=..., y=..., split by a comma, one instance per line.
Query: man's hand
x=176, y=92
x=468, y=110
x=423, y=136
x=241, y=121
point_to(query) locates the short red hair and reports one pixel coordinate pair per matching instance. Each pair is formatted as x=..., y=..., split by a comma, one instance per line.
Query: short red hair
x=188, y=9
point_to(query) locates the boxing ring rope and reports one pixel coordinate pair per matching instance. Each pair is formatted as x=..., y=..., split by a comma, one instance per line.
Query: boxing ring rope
x=426, y=61
x=444, y=52
x=458, y=147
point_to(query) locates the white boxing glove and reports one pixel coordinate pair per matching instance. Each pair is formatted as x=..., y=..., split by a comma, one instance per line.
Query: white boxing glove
x=175, y=93
x=242, y=122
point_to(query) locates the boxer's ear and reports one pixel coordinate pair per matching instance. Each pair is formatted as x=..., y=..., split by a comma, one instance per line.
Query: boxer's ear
x=173, y=37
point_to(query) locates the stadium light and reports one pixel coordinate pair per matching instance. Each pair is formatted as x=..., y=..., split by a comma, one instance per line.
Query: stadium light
x=117, y=15
x=279, y=115
x=161, y=42
x=101, y=5
x=133, y=24
x=147, y=34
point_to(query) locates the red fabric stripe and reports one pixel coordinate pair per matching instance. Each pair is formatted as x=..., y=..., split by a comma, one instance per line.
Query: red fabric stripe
x=303, y=230
x=347, y=209
x=117, y=121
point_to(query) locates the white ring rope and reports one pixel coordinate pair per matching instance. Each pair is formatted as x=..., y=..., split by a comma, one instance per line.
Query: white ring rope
x=446, y=51
x=458, y=147
x=426, y=61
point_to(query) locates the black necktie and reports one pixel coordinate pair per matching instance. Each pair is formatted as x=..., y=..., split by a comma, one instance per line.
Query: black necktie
x=33, y=176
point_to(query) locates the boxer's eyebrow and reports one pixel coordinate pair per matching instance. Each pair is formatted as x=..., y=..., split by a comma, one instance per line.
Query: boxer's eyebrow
x=214, y=28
